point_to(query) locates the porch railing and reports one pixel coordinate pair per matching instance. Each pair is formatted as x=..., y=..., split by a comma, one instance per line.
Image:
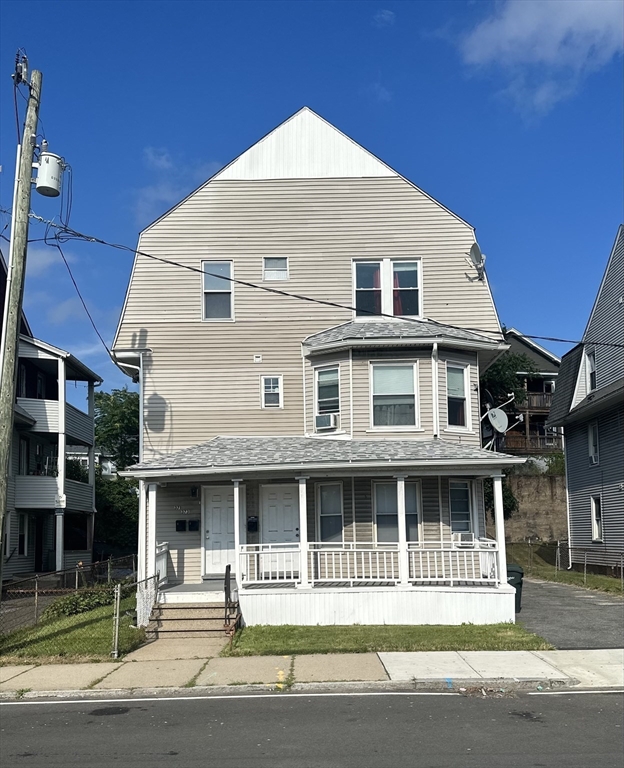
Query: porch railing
x=266, y=563
x=349, y=563
x=162, y=555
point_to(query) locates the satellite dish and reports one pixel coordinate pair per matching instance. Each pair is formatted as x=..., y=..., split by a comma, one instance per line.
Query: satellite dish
x=478, y=259
x=498, y=419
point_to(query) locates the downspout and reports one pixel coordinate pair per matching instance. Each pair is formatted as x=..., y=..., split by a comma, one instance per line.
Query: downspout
x=565, y=464
x=435, y=389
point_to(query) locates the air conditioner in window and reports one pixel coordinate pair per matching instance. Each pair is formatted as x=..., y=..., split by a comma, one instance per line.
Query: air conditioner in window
x=593, y=459
x=464, y=539
x=326, y=421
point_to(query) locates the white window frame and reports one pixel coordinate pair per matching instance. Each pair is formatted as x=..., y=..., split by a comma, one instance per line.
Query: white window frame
x=419, y=513
x=386, y=275
x=591, y=368
x=467, y=398
x=280, y=392
x=471, y=503
x=275, y=279
x=7, y=533
x=22, y=516
x=594, y=457
x=204, y=292
x=333, y=366
x=317, y=504
x=597, y=528
x=416, y=427
x=376, y=483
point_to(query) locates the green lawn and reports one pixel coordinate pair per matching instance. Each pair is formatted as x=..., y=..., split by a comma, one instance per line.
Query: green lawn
x=287, y=640
x=84, y=637
x=541, y=565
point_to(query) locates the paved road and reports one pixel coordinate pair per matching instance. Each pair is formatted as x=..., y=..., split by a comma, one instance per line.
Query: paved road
x=286, y=731
x=572, y=617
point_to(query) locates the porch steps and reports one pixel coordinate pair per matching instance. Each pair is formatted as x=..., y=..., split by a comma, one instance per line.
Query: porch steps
x=192, y=620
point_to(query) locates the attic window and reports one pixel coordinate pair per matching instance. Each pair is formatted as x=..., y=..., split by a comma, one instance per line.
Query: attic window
x=591, y=371
x=275, y=268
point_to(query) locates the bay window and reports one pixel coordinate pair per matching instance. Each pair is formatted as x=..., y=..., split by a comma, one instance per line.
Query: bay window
x=456, y=391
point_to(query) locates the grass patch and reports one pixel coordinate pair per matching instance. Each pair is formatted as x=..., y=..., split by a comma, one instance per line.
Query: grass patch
x=540, y=564
x=83, y=637
x=291, y=640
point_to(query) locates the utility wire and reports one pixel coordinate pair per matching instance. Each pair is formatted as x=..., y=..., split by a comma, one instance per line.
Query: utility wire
x=65, y=234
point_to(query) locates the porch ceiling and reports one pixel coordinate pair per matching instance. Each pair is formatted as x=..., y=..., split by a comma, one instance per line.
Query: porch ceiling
x=246, y=455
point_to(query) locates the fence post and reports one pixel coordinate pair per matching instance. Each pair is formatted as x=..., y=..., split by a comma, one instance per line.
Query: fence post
x=558, y=557
x=585, y=568
x=117, y=603
x=109, y=570
x=530, y=556
x=36, y=599
x=622, y=573
x=76, y=586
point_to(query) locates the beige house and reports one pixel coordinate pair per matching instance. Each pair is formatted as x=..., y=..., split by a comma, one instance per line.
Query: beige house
x=308, y=342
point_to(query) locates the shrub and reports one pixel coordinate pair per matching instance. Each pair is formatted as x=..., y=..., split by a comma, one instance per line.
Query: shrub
x=84, y=600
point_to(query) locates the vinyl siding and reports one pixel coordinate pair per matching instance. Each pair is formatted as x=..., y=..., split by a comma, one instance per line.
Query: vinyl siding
x=604, y=479
x=184, y=562
x=200, y=379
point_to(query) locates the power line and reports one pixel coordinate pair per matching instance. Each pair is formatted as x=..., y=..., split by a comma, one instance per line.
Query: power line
x=65, y=234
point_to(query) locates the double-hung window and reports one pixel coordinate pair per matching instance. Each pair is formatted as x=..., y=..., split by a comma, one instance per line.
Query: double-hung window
x=591, y=371
x=461, y=509
x=592, y=438
x=327, y=391
x=387, y=286
x=596, y=518
x=329, y=501
x=394, y=395
x=387, y=512
x=271, y=390
x=456, y=395
x=218, y=290
x=275, y=268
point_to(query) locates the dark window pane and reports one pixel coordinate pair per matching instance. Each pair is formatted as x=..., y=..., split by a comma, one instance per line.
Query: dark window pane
x=411, y=524
x=271, y=399
x=331, y=527
x=405, y=275
x=367, y=276
x=456, y=412
x=394, y=410
x=217, y=305
x=76, y=531
x=368, y=302
x=387, y=528
x=405, y=302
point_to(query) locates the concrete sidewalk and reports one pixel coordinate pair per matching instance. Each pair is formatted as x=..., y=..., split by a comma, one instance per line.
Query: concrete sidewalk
x=434, y=671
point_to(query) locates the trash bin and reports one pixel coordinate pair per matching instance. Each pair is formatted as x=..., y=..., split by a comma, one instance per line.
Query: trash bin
x=515, y=574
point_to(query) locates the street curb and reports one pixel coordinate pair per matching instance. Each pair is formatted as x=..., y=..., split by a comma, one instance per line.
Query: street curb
x=417, y=686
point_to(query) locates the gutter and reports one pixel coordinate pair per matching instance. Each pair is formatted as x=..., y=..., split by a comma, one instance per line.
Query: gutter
x=400, y=341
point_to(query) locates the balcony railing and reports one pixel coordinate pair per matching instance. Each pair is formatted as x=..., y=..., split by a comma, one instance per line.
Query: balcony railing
x=539, y=400
x=521, y=443
x=78, y=425
x=350, y=564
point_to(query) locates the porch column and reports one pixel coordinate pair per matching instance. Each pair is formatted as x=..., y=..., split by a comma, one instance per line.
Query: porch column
x=237, y=535
x=59, y=522
x=499, y=522
x=91, y=448
x=403, y=556
x=303, y=531
x=142, y=542
x=150, y=569
x=62, y=437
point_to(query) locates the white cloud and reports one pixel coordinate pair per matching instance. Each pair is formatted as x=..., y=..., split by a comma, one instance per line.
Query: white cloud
x=384, y=18
x=40, y=258
x=546, y=48
x=63, y=311
x=157, y=158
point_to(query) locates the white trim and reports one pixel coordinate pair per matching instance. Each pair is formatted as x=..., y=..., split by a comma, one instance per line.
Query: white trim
x=305, y=389
x=317, y=508
x=386, y=280
x=469, y=483
x=280, y=379
x=142, y=542
x=303, y=533
x=435, y=388
x=595, y=531
x=151, y=530
x=316, y=370
x=232, y=284
x=416, y=427
x=467, y=429
x=499, y=523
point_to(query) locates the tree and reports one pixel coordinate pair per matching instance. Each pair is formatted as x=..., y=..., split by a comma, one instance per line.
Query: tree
x=510, y=503
x=117, y=425
x=501, y=379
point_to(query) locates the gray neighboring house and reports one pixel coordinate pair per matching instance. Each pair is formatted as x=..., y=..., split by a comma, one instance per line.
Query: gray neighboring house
x=589, y=404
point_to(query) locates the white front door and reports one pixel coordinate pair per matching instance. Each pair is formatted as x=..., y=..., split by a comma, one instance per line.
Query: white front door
x=280, y=514
x=218, y=534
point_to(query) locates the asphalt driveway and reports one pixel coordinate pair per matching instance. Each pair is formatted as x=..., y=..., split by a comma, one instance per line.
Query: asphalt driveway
x=572, y=617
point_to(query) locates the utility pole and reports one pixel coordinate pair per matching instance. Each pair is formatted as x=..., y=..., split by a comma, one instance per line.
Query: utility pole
x=15, y=291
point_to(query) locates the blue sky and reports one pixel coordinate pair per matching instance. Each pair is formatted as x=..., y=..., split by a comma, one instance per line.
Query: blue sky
x=510, y=113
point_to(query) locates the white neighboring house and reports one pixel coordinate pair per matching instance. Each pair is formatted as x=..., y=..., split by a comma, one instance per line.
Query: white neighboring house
x=100, y=456
x=331, y=456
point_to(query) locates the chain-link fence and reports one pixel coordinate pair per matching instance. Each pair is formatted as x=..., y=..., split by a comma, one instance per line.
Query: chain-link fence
x=144, y=597
x=557, y=561
x=71, y=613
